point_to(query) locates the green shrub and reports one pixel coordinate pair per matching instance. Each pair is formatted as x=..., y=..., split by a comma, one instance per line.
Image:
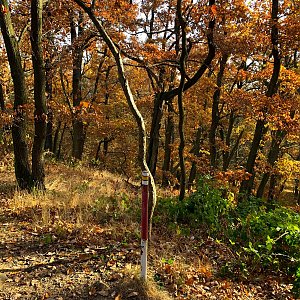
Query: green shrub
x=266, y=238
x=261, y=237
x=275, y=235
x=296, y=286
x=206, y=207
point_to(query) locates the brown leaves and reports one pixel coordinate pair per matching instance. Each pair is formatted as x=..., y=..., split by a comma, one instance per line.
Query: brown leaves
x=213, y=10
x=233, y=176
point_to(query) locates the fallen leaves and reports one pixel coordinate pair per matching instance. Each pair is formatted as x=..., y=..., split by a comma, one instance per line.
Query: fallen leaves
x=3, y=277
x=59, y=261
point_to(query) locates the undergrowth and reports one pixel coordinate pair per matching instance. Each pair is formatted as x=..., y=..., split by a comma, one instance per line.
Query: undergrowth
x=90, y=204
x=262, y=239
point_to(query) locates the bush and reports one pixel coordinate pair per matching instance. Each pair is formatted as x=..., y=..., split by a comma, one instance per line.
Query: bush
x=266, y=238
x=296, y=286
x=206, y=207
x=260, y=237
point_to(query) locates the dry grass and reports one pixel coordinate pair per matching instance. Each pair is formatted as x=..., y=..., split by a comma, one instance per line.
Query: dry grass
x=96, y=210
x=77, y=196
x=133, y=286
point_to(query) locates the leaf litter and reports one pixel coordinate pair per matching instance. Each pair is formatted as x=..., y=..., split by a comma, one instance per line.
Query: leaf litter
x=100, y=260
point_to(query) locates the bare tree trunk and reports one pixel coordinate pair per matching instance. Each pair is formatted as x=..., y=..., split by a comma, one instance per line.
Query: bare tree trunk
x=55, y=139
x=40, y=113
x=58, y=153
x=105, y=143
x=247, y=185
x=169, y=136
x=129, y=97
x=196, y=152
x=272, y=157
x=98, y=150
x=272, y=192
x=182, y=68
x=229, y=153
x=49, y=131
x=22, y=167
x=77, y=52
x=106, y=139
x=2, y=101
x=153, y=144
x=2, y=107
x=215, y=114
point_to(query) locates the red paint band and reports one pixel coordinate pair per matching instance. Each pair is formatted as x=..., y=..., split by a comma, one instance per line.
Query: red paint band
x=145, y=212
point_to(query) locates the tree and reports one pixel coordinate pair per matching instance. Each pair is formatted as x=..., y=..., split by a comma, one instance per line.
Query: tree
x=78, y=134
x=182, y=69
x=215, y=119
x=22, y=168
x=2, y=101
x=260, y=129
x=116, y=52
x=40, y=112
x=26, y=178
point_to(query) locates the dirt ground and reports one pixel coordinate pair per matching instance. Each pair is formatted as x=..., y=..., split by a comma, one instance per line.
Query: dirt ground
x=57, y=259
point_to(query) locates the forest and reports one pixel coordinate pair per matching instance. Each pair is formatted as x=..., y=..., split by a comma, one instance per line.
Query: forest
x=203, y=96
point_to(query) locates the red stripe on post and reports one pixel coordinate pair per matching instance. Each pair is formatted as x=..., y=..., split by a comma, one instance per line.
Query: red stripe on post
x=145, y=181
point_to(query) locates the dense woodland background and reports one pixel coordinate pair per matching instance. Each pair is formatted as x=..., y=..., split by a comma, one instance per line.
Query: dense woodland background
x=204, y=95
x=217, y=85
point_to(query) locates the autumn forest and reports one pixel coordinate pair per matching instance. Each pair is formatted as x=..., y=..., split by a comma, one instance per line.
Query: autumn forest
x=203, y=95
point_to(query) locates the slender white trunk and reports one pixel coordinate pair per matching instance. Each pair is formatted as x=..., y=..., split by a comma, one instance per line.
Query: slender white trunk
x=129, y=97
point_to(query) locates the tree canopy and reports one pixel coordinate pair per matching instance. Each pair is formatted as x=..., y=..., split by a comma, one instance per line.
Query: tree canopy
x=212, y=88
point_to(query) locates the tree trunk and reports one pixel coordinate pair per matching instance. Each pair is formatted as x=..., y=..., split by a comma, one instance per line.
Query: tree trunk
x=169, y=137
x=22, y=167
x=77, y=52
x=58, y=153
x=40, y=113
x=2, y=102
x=247, y=185
x=55, y=139
x=49, y=131
x=106, y=102
x=105, y=143
x=272, y=193
x=153, y=144
x=226, y=153
x=229, y=153
x=4, y=127
x=260, y=130
x=272, y=157
x=215, y=114
x=98, y=150
x=78, y=138
x=196, y=152
x=182, y=69
x=130, y=100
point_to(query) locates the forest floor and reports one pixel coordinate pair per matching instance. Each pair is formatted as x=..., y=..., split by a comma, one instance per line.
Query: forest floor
x=80, y=240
